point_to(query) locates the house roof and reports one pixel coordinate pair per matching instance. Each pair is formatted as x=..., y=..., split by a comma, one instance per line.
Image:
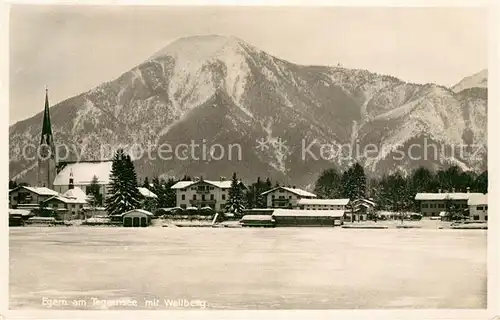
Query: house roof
x=226, y=184
x=20, y=212
x=43, y=191
x=478, y=199
x=333, y=202
x=66, y=200
x=445, y=195
x=147, y=193
x=307, y=213
x=137, y=210
x=297, y=191
x=83, y=172
x=365, y=201
x=257, y=217
x=76, y=193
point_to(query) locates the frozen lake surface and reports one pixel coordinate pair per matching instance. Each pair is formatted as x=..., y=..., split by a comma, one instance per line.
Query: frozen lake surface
x=282, y=268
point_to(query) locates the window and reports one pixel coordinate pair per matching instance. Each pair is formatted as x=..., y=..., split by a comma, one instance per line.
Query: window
x=441, y=205
x=476, y=217
x=183, y=197
x=281, y=190
x=425, y=205
x=485, y=218
x=203, y=197
x=485, y=207
x=479, y=208
x=290, y=197
x=212, y=197
x=273, y=196
x=223, y=197
x=194, y=197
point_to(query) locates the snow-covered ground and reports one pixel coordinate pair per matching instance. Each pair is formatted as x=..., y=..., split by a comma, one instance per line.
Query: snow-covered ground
x=250, y=268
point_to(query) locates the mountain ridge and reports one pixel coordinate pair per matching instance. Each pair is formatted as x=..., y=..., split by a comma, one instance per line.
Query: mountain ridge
x=261, y=95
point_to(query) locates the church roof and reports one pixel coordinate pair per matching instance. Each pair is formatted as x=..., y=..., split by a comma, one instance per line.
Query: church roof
x=83, y=172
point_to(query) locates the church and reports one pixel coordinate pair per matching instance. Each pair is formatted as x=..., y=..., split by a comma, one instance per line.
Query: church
x=56, y=175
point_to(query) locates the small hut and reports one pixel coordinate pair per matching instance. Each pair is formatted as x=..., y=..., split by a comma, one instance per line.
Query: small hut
x=136, y=218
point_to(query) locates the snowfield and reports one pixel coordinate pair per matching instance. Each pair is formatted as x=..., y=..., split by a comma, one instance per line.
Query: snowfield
x=282, y=268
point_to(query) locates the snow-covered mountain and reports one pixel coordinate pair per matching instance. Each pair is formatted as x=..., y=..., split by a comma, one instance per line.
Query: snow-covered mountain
x=220, y=90
x=477, y=80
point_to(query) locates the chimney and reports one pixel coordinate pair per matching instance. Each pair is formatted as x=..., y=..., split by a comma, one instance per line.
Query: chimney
x=222, y=178
x=289, y=186
x=294, y=187
x=439, y=190
x=71, y=180
x=452, y=189
x=468, y=189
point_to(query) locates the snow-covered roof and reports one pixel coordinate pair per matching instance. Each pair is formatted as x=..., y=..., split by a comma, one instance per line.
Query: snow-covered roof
x=478, y=199
x=307, y=213
x=226, y=184
x=365, y=201
x=66, y=200
x=297, y=191
x=332, y=202
x=20, y=212
x=139, y=211
x=43, y=191
x=83, y=172
x=147, y=193
x=445, y=195
x=76, y=193
x=257, y=217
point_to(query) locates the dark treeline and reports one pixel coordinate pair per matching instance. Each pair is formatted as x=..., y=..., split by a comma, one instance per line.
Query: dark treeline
x=396, y=192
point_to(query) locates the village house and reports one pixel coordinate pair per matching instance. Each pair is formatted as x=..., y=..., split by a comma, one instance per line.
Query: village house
x=203, y=193
x=478, y=206
x=66, y=208
x=322, y=204
x=24, y=197
x=82, y=173
x=360, y=210
x=432, y=204
x=286, y=197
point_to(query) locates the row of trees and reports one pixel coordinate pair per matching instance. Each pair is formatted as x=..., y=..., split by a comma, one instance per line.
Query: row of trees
x=396, y=192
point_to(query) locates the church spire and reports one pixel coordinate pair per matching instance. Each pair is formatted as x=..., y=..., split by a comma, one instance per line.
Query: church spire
x=46, y=154
x=46, y=126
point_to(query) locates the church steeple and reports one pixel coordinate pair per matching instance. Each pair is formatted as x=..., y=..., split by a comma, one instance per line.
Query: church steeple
x=46, y=154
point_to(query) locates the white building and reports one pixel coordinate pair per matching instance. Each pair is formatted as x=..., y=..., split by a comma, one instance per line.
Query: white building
x=286, y=197
x=478, y=206
x=202, y=193
x=322, y=204
x=82, y=173
x=432, y=204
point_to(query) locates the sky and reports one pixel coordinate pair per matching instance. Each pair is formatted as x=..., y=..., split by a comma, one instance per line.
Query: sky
x=71, y=49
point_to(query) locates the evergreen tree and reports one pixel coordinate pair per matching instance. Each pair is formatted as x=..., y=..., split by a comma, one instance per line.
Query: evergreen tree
x=235, y=203
x=359, y=181
x=124, y=193
x=329, y=184
x=12, y=184
x=481, y=183
x=93, y=191
x=146, y=183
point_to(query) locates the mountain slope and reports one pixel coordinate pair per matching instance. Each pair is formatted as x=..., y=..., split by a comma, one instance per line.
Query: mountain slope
x=220, y=90
x=477, y=80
